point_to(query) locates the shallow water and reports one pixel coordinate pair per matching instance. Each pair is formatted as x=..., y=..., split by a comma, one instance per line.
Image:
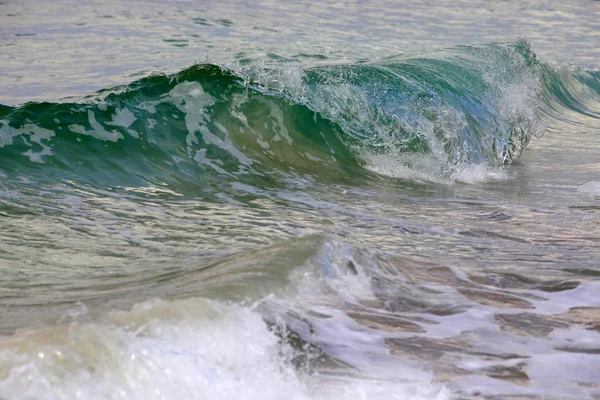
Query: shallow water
x=309, y=201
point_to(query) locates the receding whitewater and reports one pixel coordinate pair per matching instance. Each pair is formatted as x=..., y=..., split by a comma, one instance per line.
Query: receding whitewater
x=270, y=200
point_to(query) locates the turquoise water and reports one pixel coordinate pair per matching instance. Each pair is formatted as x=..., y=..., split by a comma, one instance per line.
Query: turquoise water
x=309, y=201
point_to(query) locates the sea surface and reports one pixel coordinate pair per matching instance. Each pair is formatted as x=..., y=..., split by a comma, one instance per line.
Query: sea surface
x=299, y=200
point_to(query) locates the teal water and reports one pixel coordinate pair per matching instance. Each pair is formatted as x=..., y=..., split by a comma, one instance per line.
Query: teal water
x=301, y=200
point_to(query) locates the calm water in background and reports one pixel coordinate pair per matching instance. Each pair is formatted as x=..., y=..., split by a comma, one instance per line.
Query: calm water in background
x=52, y=50
x=136, y=263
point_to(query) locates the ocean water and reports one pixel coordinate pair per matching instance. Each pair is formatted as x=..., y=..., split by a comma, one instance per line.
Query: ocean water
x=299, y=200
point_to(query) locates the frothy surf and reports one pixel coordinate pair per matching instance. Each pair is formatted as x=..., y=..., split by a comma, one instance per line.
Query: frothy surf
x=344, y=326
x=200, y=347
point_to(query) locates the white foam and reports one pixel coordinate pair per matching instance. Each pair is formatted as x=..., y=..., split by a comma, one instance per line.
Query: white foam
x=426, y=168
x=183, y=349
x=122, y=117
x=193, y=349
x=591, y=187
x=191, y=99
x=97, y=130
x=36, y=134
x=7, y=134
x=334, y=280
x=346, y=388
x=481, y=173
x=423, y=168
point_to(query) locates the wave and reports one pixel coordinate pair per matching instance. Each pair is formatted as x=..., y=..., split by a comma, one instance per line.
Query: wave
x=429, y=116
x=257, y=304
x=571, y=97
x=316, y=317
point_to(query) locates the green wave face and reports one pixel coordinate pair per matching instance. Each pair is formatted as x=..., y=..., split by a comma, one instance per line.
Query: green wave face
x=195, y=130
x=434, y=114
x=437, y=113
